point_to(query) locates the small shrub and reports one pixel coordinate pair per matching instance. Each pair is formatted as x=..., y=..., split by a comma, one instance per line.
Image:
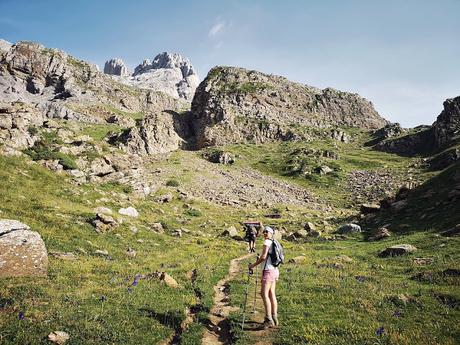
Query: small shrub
x=65, y=160
x=172, y=183
x=193, y=212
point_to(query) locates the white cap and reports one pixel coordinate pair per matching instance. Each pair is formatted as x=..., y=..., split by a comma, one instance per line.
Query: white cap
x=269, y=229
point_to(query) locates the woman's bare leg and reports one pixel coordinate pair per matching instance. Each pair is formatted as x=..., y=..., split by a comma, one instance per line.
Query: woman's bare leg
x=273, y=300
x=264, y=292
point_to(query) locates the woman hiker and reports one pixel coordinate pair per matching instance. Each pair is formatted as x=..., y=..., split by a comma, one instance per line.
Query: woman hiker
x=269, y=277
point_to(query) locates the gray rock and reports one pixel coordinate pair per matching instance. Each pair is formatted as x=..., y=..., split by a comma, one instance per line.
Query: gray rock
x=22, y=251
x=116, y=67
x=164, y=198
x=157, y=227
x=348, y=228
x=309, y=226
x=58, y=337
x=369, y=208
x=380, y=234
x=323, y=170
x=397, y=250
x=231, y=232
x=218, y=156
x=129, y=211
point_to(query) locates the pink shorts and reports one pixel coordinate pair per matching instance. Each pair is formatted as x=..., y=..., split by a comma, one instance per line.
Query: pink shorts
x=270, y=275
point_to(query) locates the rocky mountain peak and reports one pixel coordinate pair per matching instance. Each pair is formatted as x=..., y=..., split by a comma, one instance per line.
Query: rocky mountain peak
x=170, y=73
x=116, y=67
x=238, y=105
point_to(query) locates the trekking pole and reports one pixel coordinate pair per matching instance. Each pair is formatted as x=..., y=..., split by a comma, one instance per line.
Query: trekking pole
x=246, y=298
x=255, y=289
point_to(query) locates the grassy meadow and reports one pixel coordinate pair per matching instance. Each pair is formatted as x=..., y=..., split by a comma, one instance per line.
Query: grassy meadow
x=115, y=298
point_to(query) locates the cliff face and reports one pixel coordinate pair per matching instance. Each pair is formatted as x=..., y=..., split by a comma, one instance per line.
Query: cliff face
x=237, y=105
x=444, y=132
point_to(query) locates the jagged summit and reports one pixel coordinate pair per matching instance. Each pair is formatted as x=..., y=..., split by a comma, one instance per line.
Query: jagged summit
x=116, y=67
x=168, y=72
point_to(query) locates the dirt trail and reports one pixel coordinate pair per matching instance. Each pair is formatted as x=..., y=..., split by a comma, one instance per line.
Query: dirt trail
x=218, y=330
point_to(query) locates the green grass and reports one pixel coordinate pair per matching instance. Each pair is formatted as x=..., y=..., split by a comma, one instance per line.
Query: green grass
x=94, y=299
x=89, y=298
x=320, y=304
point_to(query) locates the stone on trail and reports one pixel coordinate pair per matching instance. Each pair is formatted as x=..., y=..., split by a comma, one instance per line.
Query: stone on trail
x=129, y=211
x=348, y=228
x=22, y=251
x=58, y=337
x=400, y=249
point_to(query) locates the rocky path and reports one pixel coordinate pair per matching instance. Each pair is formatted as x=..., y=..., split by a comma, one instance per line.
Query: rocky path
x=218, y=330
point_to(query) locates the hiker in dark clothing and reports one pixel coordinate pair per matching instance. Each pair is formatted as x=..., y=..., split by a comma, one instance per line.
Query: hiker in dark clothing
x=251, y=233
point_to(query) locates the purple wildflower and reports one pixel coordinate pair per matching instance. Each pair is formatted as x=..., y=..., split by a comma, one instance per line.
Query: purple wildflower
x=21, y=315
x=136, y=280
x=361, y=279
x=380, y=331
x=397, y=313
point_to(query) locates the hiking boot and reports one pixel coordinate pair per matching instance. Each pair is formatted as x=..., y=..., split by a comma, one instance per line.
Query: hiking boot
x=268, y=323
x=275, y=320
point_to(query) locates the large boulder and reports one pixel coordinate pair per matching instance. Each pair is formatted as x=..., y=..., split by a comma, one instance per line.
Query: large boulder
x=397, y=250
x=22, y=251
x=348, y=229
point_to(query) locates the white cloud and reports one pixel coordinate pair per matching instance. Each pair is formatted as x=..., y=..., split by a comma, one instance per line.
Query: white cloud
x=216, y=28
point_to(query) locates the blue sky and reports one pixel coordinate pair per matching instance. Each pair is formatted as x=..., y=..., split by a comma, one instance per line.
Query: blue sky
x=403, y=55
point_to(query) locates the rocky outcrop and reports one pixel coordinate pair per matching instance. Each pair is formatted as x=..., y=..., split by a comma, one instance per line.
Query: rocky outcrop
x=447, y=125
x=237, y=105
x=22, y=251
x=157, y=133
x=428, y=139
x=170, y=73
x=116, y=67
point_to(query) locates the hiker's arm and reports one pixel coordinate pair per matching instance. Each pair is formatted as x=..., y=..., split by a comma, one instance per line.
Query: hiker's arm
x=262, y=258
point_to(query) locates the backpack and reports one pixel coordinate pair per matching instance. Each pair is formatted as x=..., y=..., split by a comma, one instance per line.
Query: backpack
x=277, y=255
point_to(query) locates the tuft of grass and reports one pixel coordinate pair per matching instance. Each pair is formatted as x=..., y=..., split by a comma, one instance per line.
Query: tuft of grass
x=172, y=183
